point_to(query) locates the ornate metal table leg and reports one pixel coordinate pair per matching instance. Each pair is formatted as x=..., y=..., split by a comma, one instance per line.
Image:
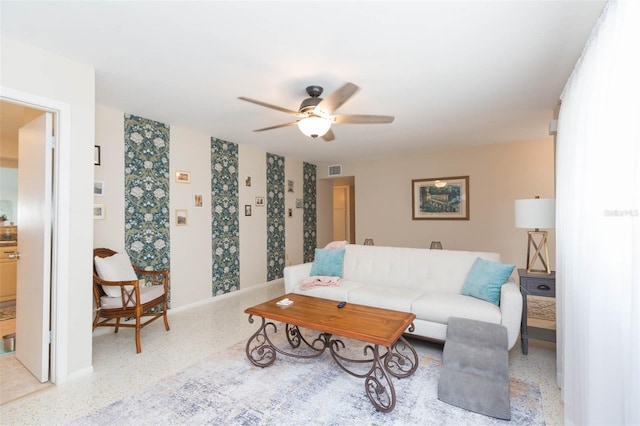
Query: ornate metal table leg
x=259, y=349
x=378, y=385
x=401, y=360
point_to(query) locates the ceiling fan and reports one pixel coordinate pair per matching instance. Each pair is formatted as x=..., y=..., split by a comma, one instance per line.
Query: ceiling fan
x=315, y=115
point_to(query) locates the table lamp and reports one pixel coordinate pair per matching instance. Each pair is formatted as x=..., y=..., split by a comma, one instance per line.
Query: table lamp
x=536, y=213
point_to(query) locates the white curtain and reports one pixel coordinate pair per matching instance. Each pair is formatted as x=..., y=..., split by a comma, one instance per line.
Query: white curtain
x=598, y=225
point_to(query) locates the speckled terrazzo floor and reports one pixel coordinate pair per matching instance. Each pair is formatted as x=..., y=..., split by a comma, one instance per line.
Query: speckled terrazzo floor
x=195, y=334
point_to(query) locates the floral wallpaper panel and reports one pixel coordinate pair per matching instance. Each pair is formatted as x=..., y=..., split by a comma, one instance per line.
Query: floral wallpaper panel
x=309, y=218
x=147, y=216
x=275, y=217
x=225, y=238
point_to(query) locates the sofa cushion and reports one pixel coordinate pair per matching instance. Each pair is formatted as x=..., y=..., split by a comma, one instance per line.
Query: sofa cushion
x=485, y=280
x=115, y=268
x=440, y=306
x=328, y=262
x=396, y=298
x=402, y=267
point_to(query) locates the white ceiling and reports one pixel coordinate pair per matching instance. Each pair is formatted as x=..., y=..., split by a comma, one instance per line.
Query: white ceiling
x=452, y=73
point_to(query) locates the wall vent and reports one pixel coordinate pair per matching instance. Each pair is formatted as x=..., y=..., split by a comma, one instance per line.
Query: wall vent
x=335, y=170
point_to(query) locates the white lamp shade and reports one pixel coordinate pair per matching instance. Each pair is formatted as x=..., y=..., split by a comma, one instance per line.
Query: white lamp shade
x=314, y=126
x=536, y=213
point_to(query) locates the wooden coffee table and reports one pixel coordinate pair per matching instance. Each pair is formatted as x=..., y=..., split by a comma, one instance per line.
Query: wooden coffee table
x=374, y=326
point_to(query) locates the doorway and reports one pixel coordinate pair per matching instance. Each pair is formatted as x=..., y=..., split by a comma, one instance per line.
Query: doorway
x=17, y=380
x=344, y=210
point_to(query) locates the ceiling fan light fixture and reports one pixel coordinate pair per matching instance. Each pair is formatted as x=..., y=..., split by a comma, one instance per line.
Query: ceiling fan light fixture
x=314, y=126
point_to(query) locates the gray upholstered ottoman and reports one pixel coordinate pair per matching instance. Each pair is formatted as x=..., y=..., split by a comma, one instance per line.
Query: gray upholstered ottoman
x=475, y=368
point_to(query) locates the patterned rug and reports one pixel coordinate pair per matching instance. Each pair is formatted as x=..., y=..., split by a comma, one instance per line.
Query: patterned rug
x=227, y=389
x=7, y=313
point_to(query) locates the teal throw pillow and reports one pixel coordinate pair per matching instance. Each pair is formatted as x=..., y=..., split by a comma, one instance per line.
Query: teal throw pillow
x=328, y=263
x=485, y=280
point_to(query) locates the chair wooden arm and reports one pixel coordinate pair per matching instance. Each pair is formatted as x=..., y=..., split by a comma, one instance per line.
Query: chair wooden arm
x=128, y=289
x=160, y=276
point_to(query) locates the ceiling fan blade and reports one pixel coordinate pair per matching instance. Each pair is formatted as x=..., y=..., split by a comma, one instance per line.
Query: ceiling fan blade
x=293, y=123
x=332, y=102
x=264, y=104
x=329, y=136
x=361, y=119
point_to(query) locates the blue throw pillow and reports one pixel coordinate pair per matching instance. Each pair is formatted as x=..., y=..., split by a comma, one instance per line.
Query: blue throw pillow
x=485, y=280
x=328, y=263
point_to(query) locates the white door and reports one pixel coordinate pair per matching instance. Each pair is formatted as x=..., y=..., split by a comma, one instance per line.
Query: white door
x=34, y=245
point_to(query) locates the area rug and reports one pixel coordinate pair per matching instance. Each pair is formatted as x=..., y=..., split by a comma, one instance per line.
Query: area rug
x=227, y=389
x=7, y=313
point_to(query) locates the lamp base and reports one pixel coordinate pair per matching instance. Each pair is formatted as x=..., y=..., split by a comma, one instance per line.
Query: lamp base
x=537, y=247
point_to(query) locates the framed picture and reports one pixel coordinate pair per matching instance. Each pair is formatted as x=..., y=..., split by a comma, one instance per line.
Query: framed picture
x=299, y=203
x=247, y=209
x=445, y=198
x=247, y=181
x=259, y=201
x=183, y=177
x=98, y=212
x=197, y=200
x=96, y=155
x=98, y=188
x=289, y=186
x=181, y=217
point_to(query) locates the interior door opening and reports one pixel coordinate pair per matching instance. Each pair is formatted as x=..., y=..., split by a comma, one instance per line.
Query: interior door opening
x=344, y=210
x=29, y=189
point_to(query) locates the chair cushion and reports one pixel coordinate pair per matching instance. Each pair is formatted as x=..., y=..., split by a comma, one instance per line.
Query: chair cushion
x=146, y=294
x=485, y=280
x=115, y=268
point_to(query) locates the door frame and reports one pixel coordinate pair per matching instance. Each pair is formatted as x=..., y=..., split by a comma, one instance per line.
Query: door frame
x=60, y=227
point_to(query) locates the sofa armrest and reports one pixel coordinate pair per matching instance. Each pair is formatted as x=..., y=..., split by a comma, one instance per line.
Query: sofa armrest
x=511, y=310
x=294, y=274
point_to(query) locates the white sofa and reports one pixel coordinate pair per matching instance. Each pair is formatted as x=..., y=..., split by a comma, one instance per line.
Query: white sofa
x=425, y=282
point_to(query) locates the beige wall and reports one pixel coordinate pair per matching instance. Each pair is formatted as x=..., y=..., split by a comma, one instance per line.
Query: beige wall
x=253, y=230
x=498, y=175
x=48, y=79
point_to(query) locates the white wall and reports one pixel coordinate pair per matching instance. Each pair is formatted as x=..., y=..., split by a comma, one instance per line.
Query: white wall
x=253, y=230
x=293, y=170
x=109, y=136
x=190, y=245
x=498, y=175
x=40, y=74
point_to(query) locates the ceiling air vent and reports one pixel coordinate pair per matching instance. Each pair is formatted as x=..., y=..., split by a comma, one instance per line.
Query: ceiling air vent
x=335, y=170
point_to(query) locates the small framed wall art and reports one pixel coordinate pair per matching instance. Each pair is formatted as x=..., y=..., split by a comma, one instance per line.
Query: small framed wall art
x=197, y=200
x=181, y=217
x=98, y=188
x=445, y=198
x=96, y=155
x=183, y=176
x=247, y=209
x=98, y=212
x=259, y=201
